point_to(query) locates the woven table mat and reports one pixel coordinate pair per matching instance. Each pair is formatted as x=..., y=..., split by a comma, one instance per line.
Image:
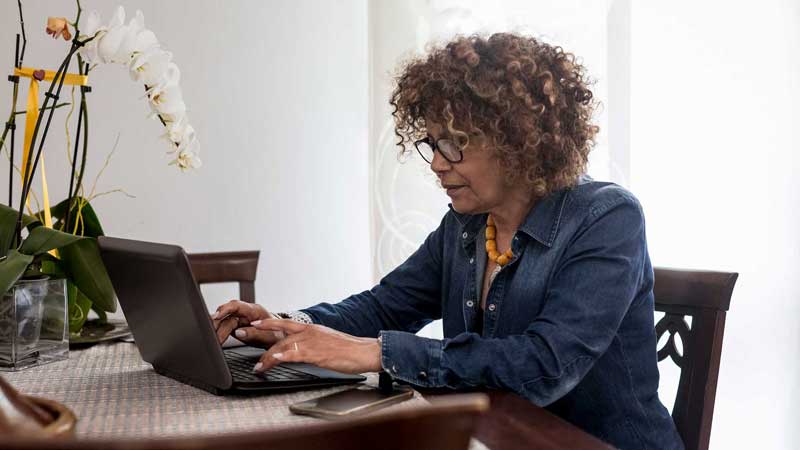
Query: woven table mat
x=114, y=393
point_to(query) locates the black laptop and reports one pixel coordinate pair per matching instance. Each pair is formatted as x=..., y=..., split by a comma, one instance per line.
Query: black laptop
x=173, y=331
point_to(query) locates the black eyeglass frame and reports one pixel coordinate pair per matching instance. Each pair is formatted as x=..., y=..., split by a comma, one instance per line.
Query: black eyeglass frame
x=434, y=145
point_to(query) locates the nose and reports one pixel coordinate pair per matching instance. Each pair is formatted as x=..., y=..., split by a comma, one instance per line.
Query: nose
x=439, y=163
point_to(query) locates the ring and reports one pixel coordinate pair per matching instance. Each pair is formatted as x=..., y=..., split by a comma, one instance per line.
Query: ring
x=296, y=347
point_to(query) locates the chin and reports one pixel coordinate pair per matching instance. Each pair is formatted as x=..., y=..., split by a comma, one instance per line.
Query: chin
x=462, y=207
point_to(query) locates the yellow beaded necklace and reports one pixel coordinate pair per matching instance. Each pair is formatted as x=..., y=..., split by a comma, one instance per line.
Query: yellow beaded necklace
x=491, y=245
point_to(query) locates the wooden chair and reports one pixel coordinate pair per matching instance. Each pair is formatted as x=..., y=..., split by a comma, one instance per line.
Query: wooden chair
x=705, y=296
x=226, y=267
x=444, y=425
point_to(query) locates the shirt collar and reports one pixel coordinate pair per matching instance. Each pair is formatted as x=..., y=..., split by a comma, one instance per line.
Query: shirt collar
x=544, y=218
x=541, y=223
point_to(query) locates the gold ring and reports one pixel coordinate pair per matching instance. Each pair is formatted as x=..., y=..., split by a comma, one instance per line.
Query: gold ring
x=296, y=347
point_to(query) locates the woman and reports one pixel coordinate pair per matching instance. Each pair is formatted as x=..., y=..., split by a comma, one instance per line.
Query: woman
x=541, y=275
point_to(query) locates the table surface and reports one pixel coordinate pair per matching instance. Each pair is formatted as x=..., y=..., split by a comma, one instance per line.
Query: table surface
x=114, y=394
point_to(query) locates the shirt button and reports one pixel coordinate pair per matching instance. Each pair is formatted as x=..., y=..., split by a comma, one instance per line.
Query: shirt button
x=464, y=235
x=492, y=307
x=471, y=260
x=394, y=368
x=516, y=238
x=423, y=375
x=470, y=303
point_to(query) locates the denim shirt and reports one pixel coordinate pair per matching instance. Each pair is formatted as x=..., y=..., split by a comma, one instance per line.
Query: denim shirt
x=568, y=322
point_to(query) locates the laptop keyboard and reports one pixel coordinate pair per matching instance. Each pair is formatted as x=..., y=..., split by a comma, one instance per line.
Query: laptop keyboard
x=241, y=368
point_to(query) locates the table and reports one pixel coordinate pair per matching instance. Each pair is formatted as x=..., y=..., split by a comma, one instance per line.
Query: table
x=116, y=394
x=515, y=423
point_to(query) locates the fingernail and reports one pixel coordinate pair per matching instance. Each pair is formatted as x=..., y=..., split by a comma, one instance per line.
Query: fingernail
x=215, y=315
x=240, y=333
x=279, y=334
x=278, y=356
x=257, y=322
x=258, y=367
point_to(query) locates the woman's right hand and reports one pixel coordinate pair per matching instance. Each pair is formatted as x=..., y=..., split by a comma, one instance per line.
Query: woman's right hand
x=235, y=317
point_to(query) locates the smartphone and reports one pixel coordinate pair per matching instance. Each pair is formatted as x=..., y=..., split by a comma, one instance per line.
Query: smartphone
x=351, y=402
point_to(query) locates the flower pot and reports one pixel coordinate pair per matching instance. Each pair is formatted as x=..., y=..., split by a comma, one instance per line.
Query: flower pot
x=33, y=324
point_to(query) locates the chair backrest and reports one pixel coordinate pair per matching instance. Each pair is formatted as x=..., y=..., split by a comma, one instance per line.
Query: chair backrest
x=226, y=267
x=444, y=425
x=705, y=296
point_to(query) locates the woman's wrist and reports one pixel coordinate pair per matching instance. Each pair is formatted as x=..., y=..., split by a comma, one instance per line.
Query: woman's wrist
x=297, y=316
x=374, y=354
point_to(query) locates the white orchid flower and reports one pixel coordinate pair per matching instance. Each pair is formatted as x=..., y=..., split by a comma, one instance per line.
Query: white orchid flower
x=180, y=134
x=92, y=28
x=168, y=100
x=171, y=77
x=168, y=118
x=187, y=159
x=150, y=67
x=109, y=44
x=118, y=18
x=92, y=24
x=136, y=39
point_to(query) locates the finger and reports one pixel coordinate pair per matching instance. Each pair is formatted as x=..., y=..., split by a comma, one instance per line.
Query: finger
x=245, y=312
x=227, y=309
x=287, y=326
x=252, y=335
x=225, y=328
x=269, y=360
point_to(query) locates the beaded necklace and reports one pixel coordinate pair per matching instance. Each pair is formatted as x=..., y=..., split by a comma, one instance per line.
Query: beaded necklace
x=491, y=245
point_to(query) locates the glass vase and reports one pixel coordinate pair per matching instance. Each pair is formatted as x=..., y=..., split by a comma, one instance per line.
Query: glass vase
x=34, y=329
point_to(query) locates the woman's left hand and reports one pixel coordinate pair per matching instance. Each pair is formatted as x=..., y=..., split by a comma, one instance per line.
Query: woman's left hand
x=318, y=345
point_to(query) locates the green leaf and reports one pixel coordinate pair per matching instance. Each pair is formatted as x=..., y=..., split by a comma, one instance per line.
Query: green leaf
x=91, y=224
x=8, y=222
x=11, y=268
x=43, y=239
x=79, y=306
x=51, y=266
x=82, y=261
x=102, y=317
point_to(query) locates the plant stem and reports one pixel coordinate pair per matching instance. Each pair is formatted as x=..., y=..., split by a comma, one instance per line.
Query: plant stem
x=85, y=113
x=11, y=173
x=11, y=125
x=24, y=38
x=78, y=17
x=81, y=116
x=29, y=169
x=70, y=194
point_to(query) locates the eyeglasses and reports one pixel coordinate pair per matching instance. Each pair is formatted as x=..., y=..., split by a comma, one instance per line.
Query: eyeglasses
x=447, y=148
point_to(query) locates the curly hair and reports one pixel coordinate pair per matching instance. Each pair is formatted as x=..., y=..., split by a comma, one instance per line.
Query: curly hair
x=528, y=99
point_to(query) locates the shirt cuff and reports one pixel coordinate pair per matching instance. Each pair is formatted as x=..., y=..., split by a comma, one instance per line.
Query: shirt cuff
x=411, y=358
x=297, y=316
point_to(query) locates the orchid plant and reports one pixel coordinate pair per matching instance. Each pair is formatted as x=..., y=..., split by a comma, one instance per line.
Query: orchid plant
x=67, y=248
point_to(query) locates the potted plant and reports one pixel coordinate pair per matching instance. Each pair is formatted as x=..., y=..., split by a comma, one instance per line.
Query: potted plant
x=60, y=241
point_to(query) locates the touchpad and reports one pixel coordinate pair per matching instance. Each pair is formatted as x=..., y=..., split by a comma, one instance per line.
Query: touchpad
x=247, y=351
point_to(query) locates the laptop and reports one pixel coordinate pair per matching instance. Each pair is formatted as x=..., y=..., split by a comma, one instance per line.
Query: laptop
x=172, y=329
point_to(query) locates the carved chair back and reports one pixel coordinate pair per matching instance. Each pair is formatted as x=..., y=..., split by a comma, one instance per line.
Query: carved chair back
x=226, y=267
x=705, y=297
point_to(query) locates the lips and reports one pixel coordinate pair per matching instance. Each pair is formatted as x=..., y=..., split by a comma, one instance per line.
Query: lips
x=452, y=189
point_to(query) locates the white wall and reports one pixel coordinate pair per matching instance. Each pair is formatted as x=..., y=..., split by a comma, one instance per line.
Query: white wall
x=278, y=94
x=714, y=107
